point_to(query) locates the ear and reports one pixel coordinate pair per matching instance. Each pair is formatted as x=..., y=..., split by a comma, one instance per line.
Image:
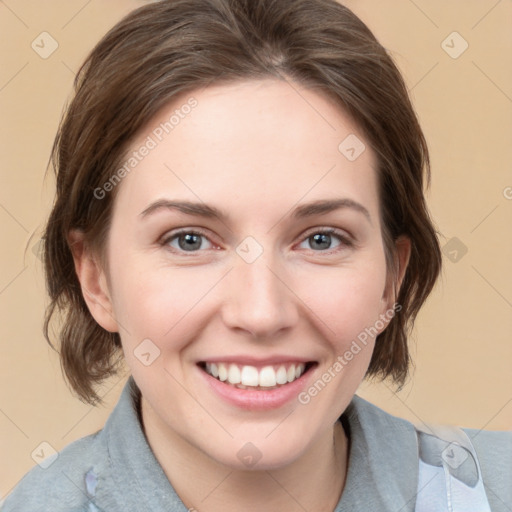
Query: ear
x=396, y=277
x=93, y=281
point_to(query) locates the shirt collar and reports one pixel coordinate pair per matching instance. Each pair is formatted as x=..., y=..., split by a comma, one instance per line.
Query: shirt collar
x=140, y=481
x=383, y=460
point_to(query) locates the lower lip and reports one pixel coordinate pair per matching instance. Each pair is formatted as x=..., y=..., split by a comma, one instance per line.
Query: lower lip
x=255, y=400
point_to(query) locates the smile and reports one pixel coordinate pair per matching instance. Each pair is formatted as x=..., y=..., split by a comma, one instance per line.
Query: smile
x=250, y=377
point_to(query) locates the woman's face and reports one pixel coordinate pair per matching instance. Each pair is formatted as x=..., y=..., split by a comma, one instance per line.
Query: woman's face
x=246, y=245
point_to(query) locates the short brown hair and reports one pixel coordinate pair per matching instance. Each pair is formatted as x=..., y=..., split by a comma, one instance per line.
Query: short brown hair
x=175, y=46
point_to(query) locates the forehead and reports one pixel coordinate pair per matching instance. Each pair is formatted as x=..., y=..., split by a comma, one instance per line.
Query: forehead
x=253, y=144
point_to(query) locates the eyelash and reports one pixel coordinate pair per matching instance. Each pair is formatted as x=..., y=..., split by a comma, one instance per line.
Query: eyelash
x=345, y=241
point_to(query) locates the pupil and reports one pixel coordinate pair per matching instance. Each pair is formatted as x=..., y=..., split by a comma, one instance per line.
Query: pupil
x=190, y=242
x=322, y=238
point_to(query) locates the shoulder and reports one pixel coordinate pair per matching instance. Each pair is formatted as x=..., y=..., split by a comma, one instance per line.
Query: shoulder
x=493, y=448
x=374, y=419
x=493, y=444
x=60, y=484
x=494, y=451
x=490, y=445
x=91, y=471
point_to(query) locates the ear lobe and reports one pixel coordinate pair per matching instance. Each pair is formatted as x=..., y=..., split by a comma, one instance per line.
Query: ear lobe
x=93, y=281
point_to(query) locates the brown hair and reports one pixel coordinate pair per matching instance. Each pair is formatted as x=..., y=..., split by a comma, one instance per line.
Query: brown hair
x=175, y=46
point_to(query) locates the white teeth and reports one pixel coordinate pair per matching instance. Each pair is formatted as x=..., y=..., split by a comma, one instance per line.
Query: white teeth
x=249, y=376
x=234, y=374
x=267, y=377
x=223, y=372
x=281, y=375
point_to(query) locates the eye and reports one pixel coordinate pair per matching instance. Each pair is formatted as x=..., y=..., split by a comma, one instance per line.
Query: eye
x=321, y=240
x=187, y=241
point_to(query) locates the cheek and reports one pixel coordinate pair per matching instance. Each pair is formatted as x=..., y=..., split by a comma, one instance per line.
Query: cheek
x=346, y=301
x=156, y=303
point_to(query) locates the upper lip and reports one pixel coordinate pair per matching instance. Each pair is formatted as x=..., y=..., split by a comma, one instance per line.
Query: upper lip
x=256, y=361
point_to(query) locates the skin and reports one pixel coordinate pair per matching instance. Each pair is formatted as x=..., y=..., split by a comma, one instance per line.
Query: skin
x=255, y=150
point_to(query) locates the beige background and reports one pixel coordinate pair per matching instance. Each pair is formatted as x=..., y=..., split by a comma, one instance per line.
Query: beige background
x=462, y=343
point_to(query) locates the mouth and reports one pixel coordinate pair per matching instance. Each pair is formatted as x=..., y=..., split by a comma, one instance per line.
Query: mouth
x=262, y=378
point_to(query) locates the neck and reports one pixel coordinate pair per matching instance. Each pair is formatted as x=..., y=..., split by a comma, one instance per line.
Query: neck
x=314, y=481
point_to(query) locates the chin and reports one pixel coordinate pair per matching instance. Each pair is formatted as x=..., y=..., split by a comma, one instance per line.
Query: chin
x=258, y=453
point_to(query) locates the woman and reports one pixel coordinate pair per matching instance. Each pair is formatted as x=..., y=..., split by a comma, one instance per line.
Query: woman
x=240, y=214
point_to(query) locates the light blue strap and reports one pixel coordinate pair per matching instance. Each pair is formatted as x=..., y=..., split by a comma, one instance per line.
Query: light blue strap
x=450, y=479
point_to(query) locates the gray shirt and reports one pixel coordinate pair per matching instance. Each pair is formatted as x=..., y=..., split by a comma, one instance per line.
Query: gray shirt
x=115, y=469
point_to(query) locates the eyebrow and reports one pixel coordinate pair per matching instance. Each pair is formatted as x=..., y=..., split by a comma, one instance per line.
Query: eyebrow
x=319, y=207
x=329, y=205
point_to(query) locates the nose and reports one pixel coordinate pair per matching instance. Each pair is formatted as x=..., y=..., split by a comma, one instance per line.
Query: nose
x=259, y=301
